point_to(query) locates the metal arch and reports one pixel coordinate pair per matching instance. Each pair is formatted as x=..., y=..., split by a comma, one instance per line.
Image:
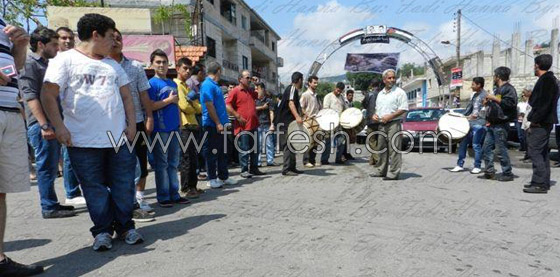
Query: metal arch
x=417, y=44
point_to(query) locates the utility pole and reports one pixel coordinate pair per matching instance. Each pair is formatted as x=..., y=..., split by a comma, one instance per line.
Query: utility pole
x=458, y=45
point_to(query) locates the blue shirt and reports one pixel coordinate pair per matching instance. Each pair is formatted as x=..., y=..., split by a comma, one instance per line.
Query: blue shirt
x=167, y=118
x=211, y=92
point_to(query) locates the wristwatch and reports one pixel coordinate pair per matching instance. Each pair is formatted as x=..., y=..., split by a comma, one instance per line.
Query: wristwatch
x=45, y=126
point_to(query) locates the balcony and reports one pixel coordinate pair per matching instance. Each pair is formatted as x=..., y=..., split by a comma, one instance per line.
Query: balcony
x=279, y=62
x=266, y=53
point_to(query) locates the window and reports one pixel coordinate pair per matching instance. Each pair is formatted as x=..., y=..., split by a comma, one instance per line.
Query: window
x=245, y=63
x=211, y=44
x=228, y=11
x=244, y=22
x=273, y=46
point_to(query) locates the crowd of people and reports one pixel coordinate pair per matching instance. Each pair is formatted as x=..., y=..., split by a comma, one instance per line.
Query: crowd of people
x=490, y=114
x=71, y=96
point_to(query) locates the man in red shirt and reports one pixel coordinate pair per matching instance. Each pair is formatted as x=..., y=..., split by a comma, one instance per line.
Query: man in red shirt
x=241, y=104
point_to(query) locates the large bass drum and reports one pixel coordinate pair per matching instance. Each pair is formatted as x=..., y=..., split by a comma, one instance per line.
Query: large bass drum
x=352, y=121
x=452, y=127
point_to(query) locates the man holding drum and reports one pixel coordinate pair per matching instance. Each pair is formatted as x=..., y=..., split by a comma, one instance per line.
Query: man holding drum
x=289, y=110
x=476, y=134
x=335, y=101
x=391, y=104
x=310, y=106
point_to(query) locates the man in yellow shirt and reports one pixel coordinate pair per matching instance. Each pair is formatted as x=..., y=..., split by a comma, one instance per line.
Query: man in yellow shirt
x=189, y=106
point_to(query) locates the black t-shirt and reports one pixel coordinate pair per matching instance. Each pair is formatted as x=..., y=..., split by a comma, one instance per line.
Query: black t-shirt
x=284, y=114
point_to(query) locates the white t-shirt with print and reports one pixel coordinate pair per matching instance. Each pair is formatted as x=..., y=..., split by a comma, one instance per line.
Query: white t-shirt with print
x=90, y=97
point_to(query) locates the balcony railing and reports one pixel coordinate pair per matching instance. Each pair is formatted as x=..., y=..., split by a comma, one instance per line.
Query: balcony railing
x=230, y=65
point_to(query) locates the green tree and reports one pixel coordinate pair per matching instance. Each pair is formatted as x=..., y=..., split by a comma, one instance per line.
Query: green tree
x=361, y=80
x=165, y=13
x=407, y=68
x=323, y=89
x=18, y=12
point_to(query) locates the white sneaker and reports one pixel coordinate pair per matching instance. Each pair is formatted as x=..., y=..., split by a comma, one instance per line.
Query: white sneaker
x=476, y=170
x=309, y=165
x=214, y=183
x=76, y=201
x=144, y=205
x=457, y=169
x=229, y=182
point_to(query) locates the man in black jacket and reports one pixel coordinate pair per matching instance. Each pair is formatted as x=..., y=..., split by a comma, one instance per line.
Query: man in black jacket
x=497, y=131
x=542, y=116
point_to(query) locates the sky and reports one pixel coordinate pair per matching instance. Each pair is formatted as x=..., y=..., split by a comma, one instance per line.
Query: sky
x=306, y=27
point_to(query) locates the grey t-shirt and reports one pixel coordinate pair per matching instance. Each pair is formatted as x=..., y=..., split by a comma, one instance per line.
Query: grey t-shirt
x=31, y=82
x=138, y=83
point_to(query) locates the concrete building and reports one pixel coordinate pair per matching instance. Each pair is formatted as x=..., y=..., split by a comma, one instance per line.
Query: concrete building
x=232, y=32
x=518, y=58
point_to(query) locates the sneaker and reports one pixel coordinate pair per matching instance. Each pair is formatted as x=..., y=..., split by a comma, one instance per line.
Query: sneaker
x=11, y=268
x=289, y=173
x=505, y=178
x=489, y=176
x=309, y=165
x=165, y=204
x=192, y=194
x=229, y=182
x=80, y=200
x=132, y=237
x=202, y=177
x=214, y=183
x=102, y=242
x=182, y=200
x=298, y=171
x=65, y=208
x=143, y=204
x=139, y=215
x=457, y=169
x=58, y=214
x=257, y=172
x=536, y=189
x=246, y=175
x=476, y=170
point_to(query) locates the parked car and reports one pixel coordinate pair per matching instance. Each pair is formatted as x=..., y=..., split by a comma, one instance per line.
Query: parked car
x=422, y=120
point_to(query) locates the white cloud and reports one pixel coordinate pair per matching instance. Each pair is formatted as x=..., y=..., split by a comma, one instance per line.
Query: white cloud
x=312, y=32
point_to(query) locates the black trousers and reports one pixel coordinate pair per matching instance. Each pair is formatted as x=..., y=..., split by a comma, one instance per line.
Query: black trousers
x=537, y=142
x=288, y=156
x=189, y=160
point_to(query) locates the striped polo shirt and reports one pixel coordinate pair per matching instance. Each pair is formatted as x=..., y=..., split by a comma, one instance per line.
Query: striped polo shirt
x=8, y=93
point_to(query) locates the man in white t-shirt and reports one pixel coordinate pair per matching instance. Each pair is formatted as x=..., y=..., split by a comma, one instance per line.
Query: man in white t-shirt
x=96, y=104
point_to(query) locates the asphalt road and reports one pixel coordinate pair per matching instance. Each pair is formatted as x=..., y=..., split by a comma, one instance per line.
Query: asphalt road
x=331, y=221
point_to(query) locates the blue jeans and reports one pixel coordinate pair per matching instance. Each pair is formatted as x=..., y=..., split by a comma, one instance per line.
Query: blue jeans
x=268, y=146
x=47, y=153
x=71, y=184
x=248, y=154
x=521, y=136
x=107, y=179
x=496, y=135
x=214, y=154
x=476, y=138
x=166, y=162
